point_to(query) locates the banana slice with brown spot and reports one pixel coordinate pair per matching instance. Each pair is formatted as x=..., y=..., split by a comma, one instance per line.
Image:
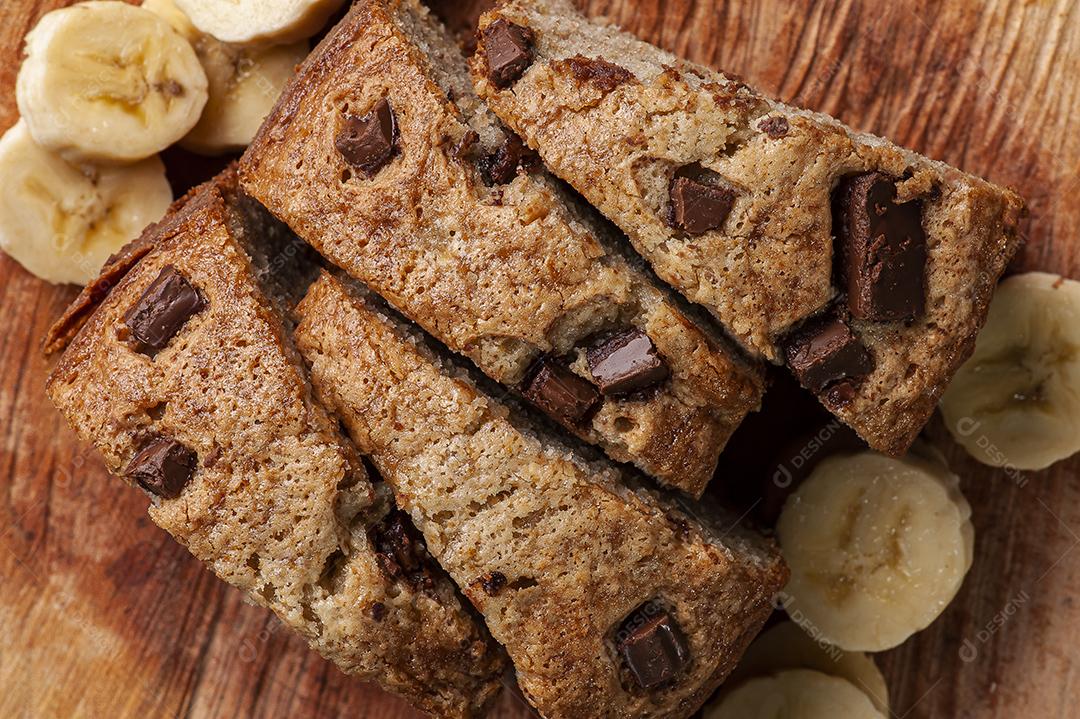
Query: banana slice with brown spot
x=107, y=82
x=61, y=222
x=1016, y=401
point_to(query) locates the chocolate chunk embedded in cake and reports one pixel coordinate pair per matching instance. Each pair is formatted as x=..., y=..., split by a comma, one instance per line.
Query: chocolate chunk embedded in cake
x=162, y=310
x=882, y=250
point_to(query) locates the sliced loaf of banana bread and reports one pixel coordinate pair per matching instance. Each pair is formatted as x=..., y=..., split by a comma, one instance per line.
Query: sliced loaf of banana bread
x=381, y=156
x=184, y=378
x=867, y=267
x=611, y=600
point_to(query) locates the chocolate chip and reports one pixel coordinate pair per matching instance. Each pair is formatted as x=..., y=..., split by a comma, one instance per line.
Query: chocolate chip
x=400, y=552
x=653, y=646
x=824, y=353
x=626, y=362
x=368, y=142
x=162, y=310
x=163, y=467
x=378, y=611
x=501, y=167
x=696, y=206
x=509, y=49
x=492, y=583
x=882, y=249
x=775, y=127
x=561, y=393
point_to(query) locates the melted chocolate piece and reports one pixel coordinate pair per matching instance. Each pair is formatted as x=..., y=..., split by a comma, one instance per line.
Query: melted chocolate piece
x=653, y=646
x=599, y=72
x=509, y=49
x=561, y=393
x=402, y=557
x=501, y=167
x=882, y=249
x=368, y=142
x=698, y=207
x=626, y=362
x=825, y=355
x=163, y=467
x=162, y=310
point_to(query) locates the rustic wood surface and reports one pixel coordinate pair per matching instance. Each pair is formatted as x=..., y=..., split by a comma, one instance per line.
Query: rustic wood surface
x=102, y=615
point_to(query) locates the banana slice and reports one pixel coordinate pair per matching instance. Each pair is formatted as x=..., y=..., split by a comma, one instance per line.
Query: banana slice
x=61, y=222
x=878, y=547
x=794, y=694
x=786, y=646
x=260, y=22
x=245, y=82
x=1016, y=402
x=106, y=82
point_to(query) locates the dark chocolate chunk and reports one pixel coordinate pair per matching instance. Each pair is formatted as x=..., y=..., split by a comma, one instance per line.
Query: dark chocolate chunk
x=378, y=611
x=825, y=352
x=696, y=206
x=162, y=310
x=368, y=142
x=509, y=49
x=775, y=127
x=400, y=552
x=626, y=362
x=653, y=646
x=501, y=167
x=163, y=467
x=561, y=393
x=882, y=249
x=492, y=583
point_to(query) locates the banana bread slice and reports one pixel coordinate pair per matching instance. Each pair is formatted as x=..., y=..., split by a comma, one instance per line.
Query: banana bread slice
x=867, y=266
x=185, y=381
x=382, y=157
x=612, y=601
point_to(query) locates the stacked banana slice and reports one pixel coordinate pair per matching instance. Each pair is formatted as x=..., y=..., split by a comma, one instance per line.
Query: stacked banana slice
x=877, y=547
x=249, y=22
x=244, y=82
x=105, y=86
x=1016, y=402
x=786, y=646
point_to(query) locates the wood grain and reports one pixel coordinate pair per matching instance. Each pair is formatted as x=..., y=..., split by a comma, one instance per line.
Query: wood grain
x=103, y=616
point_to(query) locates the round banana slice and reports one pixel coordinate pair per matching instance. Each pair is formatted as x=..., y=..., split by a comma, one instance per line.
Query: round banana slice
x=107, y=82
x=786, y=646
x=1016, y=402
x=794, y=694
x=260, y=22
x=878, y=547
x=61, y=222
x=245, y=82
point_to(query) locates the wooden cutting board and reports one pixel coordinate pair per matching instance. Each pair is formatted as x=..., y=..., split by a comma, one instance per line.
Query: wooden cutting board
x=102, y=615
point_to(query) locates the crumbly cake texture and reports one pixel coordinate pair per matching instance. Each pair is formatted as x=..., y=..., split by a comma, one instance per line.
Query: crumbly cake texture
x=367, y=158
x=265, y=489
x=611, y=600
x=730, y=196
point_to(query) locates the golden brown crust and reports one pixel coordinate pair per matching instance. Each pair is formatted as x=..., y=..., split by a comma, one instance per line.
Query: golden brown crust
x=770, y=266
x=279, y=504
x=575, y=550
x=501, y=274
